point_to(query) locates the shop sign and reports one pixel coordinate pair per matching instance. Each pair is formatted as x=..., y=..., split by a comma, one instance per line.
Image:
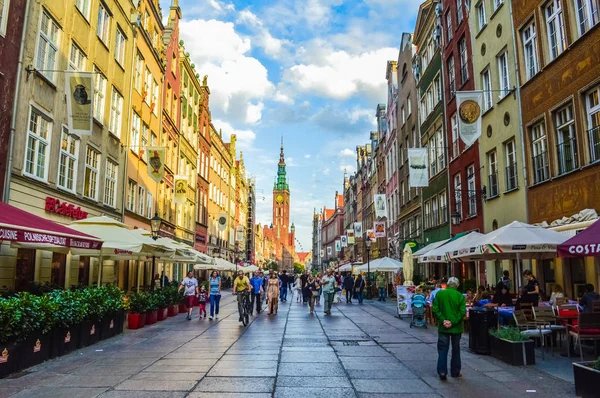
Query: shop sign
x=200, y=238
x=54, y=205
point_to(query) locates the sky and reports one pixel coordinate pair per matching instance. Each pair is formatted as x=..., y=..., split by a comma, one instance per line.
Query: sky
x=310, y=71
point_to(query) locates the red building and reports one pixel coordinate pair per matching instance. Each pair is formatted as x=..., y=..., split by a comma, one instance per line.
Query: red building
x=203, y=184
x=11, y=28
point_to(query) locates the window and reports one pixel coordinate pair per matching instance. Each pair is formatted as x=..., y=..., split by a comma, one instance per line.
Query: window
x=4, y=6
x=145, y=137
x=428, y=221
x=67, y=166
x=464, y=69
x=84, y=7
x=541, y=170
x=498, y=3
x=448, y=27
x=110, y=183
x=451, y=79
x=154, y=104
x=99, y=94
x=141, y=201
x=511, y=165
x=38, y=143
x=493, y=174
x=593, y=119
x=587, y=14
x=555, y=28
x=455, y=141
x=149, y=205
x=134, y=140
x=103, y=28
x=402, y=194
x=148, y=86
x=116, y=109
x=443, y=208
x=432, y=157
x=120, y=47
x=459, y=12
x=408, y=106
x=47, y=48
x=472, y=191
x=486, y=83
x=403, y=113
x=92, y=164
x=481, y=14
x=503, y=74
x=131, y=192
x=139, y=70
x=440, y=149
x=528, y=36
x=458, y=196
x=567, y=145
x=76, y=58
x=435, y=212
x=438, y=89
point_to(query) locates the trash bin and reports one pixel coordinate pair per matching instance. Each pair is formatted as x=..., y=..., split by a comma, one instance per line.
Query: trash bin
x=481, y=320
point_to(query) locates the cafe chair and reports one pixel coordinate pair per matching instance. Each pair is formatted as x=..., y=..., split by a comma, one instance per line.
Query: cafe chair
x=588, y=328
x=527, y=309
x=533, y=329
x=547, y=315
x=596, y=306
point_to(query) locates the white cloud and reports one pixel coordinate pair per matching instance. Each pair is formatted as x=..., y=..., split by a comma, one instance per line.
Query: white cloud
x=245, y=138
x=347, y=153
x=272, y=46
x=254, y=113
x=326, y=171
x=347, y=168
x=307, y=156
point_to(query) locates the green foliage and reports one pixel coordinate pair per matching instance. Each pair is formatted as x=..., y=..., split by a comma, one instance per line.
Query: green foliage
x=468, y=284
x=71, y=309
x=509, y=333
x=596, y=364
x=298, y=268
x=138, y=303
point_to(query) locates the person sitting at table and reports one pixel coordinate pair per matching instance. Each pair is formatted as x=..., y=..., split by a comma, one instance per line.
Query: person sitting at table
x=469, y=297
x=480, y=291
x=557, y=293
x=588, y=298
x=502, y=299
x=531, y=292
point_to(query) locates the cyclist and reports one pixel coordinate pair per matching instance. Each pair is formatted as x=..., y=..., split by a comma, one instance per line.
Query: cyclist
x=241, y=287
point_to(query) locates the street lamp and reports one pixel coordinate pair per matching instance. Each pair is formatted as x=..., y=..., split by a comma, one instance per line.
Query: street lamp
x=155, y=223
x=368, y=245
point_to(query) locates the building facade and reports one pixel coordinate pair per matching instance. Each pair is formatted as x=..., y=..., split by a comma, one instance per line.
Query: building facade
x=203, y=180
x=391, y=149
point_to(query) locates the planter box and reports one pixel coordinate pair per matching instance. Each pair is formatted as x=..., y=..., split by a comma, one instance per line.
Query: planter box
x=173, y=310
x=587, y=379
x=120, y=321
x=514, y=353
x=65, y=340
x=182, y=308
x=108, y=326
x=34, y=350
x=151, y=317
x=136, y=321
x=88, y=334
x=162, y=314
x=9, y=358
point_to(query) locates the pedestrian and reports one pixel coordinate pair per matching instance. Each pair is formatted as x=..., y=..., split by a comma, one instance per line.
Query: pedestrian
x=381, y=285
x=338, y=288
x=257, y=290
x=273, y=286
x=506, y=280
x=304, y=278
x=214, y=282
x=328, y=286
x=157, y=281
x=438, y=287
x=349, y=287
x=202, y=296
x=450, y=309
x=313, y=287
x=298, y=286
x=359, y=285
x=190, y=292
x=319, y=277
x=284, y=285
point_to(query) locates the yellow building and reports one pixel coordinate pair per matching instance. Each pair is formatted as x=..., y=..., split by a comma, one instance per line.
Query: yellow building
x=51, y=164
x=241, y=209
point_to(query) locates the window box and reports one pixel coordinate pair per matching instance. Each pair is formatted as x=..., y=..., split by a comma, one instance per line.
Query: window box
x=516, y=353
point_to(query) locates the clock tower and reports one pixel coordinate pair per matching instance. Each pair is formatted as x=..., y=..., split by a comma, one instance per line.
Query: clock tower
x=281, y=199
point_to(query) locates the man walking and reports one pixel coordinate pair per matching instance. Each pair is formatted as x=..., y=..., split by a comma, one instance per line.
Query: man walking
x=328, y=285
x=449, y=308
x=189, y=285
x=284, y=285
x=304, y=279
x=257, y=290
x=349, y=287
x=381, y=285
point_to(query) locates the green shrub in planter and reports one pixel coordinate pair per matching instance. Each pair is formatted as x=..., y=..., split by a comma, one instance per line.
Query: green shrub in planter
x=138, y=303
x=509, y=333
x=162, y=298
x=70, y=308
x=11, y=327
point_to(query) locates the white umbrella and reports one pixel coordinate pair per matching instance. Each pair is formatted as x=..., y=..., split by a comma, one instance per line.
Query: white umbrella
x=438, y=255
x=428, y=248
x=407, y=259
x=249, y=268
x=385, y=264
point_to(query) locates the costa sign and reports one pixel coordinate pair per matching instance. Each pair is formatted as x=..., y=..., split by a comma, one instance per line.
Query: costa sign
x=585, y=249
x=54, y=205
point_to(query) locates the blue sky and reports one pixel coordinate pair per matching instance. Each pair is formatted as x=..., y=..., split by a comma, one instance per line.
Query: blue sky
x=312, y=71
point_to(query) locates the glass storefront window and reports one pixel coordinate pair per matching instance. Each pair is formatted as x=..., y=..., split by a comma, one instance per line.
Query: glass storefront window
x=83, y=278
x=25, y=271
x=59, y=266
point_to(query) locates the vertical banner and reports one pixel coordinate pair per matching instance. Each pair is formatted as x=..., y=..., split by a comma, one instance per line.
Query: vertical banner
x=329, y=250
x=418, y=175
x=222, y=222
x=321, y=253
x=344, y=240
x=181, y=188
x=239, y=233
x=156, y=163
x=350, y=234
x=79, y=88
x=338, y=245
x=371, y=235
x=469, y=115
x=380, y=205
x=358, y=231
x=379, y=227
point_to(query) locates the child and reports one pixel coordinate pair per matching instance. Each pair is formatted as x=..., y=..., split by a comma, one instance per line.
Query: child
x=202, y=301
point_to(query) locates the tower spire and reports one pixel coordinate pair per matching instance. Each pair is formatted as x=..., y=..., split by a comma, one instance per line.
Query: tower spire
x=281, y=155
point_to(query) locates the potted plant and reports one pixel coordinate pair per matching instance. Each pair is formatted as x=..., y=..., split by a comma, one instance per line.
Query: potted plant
x=173, y=294
x=96, y=301
x=511, y=346
x=152, y=309
x=163, y=303
x=113, y=302
x=137, y=311
x=587, y=378
x=11, y=334
x=70, y=313
x=38, y=320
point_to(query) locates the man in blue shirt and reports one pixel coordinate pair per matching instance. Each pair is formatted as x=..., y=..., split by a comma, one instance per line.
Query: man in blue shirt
x=257, y=288
x=438, y=287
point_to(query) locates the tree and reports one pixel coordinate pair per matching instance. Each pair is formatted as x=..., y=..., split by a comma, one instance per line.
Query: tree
x=298, y=268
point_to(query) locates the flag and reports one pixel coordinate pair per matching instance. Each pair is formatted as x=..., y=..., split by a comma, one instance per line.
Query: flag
x=371, y=235
x=344, y=240
x=418, y=176
x=350, y=234
x=358, y=231
x=156, y=163
x=222, y=222
x=338, y=245
x=380, y=205
x=329, y=250
x=322, y=253
x=379, y=227
x=181, y=189
x=79, y=88
x=469, y=115
x=239, y=234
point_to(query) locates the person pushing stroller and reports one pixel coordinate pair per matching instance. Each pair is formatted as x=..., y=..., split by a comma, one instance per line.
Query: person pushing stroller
x=418, y=309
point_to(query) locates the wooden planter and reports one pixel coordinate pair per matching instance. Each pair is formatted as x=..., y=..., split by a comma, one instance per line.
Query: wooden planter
x=162, y=314
x=34, y=350
x=151, y=317
x=65, y=340
x=136, y=321
x=108, y=326
x=9, y=358
x=173, y=310
x=587, y=379
x=514, y=353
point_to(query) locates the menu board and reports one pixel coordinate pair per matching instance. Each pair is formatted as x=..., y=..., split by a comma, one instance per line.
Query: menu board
x=404, y=294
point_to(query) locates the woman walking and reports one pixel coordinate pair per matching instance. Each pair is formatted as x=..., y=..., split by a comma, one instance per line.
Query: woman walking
x=215, y=294
x=273, y=286
x=313, y=286
x=359, y=285
x=319, y=278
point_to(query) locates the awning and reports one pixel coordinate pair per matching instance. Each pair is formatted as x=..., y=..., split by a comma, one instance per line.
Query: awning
x=384, y=264
x=585, y=243
x=429, y=247
x=19, y=226
x=438, y=255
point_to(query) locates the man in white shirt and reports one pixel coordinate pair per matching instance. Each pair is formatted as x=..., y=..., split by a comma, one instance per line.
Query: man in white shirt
x=328, y=284
x=190, y=286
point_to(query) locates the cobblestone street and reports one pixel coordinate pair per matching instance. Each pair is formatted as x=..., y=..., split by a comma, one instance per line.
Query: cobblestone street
x=360, y=351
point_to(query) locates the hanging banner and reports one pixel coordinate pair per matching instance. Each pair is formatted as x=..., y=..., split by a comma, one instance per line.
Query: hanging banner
x=239, y=234
x=328, y=250
x=181, y=188
x=222, y=222
x=350, y=234
x=338, y=246
x=358, y=231
x=156, y=163
x=469, y=115
x=371, y=235
x=344, y=240
x=379, y=227
x=418, y=175
x=380, y=205
x=321, y=253
x=79, y=88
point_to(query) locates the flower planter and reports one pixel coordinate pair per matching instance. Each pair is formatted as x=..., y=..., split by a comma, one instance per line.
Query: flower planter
x=182, y=308
x=88, y=333
x=587, y=379
x=34, y=350
x=107, y=326
x=120, y=320
x=173, y=310
x=162, y=314
x=151, y=317
x=64, y=340
x=518, y=353
x=136, y=321
x=9, y=358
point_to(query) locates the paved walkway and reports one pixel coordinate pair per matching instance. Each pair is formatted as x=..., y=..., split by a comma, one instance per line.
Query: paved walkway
x=360, y=351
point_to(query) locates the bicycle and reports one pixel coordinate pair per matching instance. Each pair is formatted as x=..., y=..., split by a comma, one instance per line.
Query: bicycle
x=244, y=307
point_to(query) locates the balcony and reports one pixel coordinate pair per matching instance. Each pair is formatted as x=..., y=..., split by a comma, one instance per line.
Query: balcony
x=594, y=143
x=511, y=177
x=493, y=185
x=567, y=156
x=541, y=169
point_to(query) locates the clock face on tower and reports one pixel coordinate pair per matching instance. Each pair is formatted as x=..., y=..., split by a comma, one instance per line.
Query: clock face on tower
x=279, y=199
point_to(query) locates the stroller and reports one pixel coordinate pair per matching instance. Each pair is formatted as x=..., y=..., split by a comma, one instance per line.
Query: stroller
x=418, y=311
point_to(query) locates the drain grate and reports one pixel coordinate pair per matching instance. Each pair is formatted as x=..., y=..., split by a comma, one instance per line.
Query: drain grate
x=350, y=343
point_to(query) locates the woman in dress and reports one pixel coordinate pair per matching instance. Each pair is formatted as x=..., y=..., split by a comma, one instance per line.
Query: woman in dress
x=214, y=282
x=273, y=286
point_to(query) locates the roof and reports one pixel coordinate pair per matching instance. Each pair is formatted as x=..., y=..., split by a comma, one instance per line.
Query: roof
x=328, y=213
x=302, y=256
x=340, y=201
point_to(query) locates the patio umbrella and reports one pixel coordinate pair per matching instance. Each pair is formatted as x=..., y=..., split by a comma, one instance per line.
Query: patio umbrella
x=384, y=264
x=183, y=252
x=428, y=248
x=438, y=255
x=585, y=243
x=407, y=260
